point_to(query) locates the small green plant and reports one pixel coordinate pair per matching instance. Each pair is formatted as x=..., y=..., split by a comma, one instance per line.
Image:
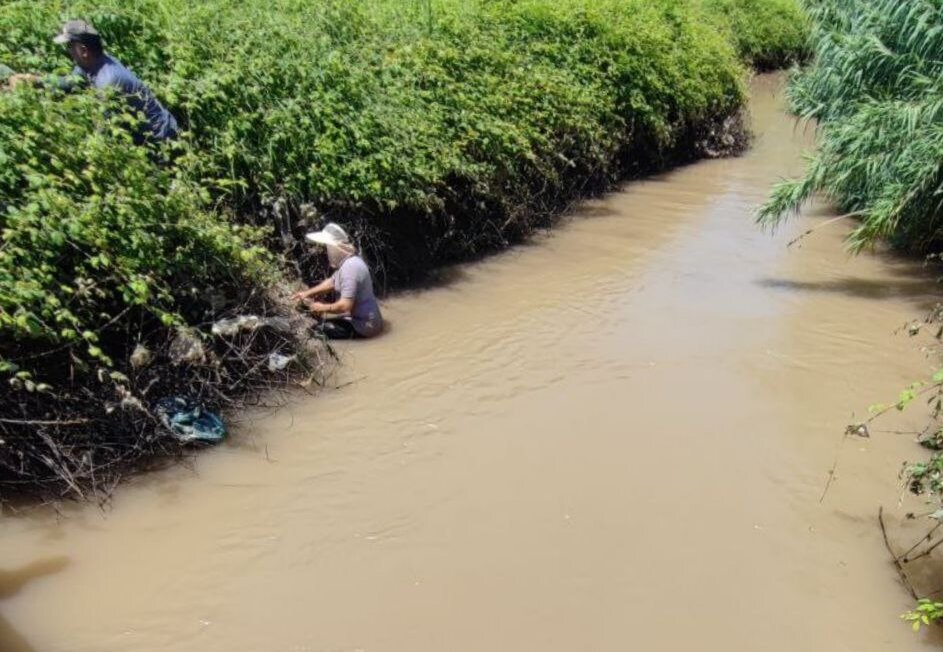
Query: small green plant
x=926, y=612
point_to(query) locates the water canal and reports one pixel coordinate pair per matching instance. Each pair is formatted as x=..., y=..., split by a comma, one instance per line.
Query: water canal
x=614, y=437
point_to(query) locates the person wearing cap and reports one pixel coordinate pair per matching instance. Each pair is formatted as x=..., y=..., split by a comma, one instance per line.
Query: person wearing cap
x=93, y=66
x=356, y=311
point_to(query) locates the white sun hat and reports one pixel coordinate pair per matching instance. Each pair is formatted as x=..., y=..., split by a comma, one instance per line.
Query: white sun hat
x=331, y=234
x=75, y=30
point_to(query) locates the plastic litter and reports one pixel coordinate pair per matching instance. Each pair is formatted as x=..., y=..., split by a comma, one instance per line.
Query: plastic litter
x=141, y=356
x=186, y=347
x=188, y=421
x=229, y=327
x=277, y=361
x=128, y=400
x=249, y=323
x=283, y=222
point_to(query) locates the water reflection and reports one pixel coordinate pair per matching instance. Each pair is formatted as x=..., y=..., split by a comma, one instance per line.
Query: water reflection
x=11, y=583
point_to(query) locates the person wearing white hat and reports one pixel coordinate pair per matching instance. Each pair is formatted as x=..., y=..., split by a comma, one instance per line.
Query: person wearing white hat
x=357, y=313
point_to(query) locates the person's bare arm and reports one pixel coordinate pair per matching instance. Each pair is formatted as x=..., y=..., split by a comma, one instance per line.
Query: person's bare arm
x=324, y=286
x=339, y=307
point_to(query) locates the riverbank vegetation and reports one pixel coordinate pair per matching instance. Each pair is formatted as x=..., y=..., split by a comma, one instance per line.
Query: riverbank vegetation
x=875, y=90
x=433, y=130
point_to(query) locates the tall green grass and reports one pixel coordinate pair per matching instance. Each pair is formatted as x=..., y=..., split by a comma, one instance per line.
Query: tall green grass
x=875, y=88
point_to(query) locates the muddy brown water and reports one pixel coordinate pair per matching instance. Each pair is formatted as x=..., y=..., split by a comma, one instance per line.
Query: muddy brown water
x=614, y=437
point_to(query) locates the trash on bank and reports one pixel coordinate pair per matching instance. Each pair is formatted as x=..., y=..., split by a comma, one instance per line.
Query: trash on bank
x=129, y=401
x=188, y=421
x=277, y=361
x=141, y=357
x=187, y=347
x=249, y=323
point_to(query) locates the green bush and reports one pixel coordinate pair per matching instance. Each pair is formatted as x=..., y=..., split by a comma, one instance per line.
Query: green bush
x=768, y=33
x=92, y=229
x=457, y=121
x=412, y=114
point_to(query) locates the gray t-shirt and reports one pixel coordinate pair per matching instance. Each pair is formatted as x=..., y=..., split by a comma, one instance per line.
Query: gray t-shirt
x=352, y=281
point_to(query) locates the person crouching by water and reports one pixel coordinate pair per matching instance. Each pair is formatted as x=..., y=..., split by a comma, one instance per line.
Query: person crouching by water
x=355, y=312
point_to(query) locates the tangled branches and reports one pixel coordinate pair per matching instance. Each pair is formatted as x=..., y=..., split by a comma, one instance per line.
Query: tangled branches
x=80, y=431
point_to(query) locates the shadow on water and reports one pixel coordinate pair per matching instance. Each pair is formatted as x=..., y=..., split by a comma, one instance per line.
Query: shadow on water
x=452, y=276
x=11, y=583
x=904, y=278
x=859, y=288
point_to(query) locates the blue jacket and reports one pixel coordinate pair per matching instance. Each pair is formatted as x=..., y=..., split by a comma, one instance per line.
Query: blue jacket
x=109, y=73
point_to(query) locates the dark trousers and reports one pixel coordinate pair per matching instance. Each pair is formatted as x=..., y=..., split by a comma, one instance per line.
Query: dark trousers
x=337, y=329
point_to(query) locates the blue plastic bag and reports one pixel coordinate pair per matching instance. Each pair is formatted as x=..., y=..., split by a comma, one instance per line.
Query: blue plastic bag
x=189, y=422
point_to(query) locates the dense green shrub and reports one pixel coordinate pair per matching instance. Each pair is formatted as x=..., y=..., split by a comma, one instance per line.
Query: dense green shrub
x=768, y=33
x=91, y=228
x=876, y=89
x=441, y=118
